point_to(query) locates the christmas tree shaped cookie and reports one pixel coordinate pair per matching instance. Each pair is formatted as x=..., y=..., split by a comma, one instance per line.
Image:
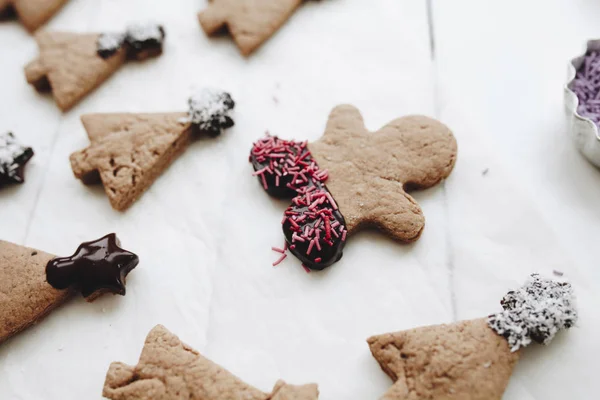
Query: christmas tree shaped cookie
x=250, y=22
x=32, y=13
x=71, y=65
x=33, y=283
x=129, y=151
x=473, y=360
x=169, y=369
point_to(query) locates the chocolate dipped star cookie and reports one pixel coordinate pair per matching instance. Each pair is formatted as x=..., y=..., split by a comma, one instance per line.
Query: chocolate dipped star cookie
x=13, y=158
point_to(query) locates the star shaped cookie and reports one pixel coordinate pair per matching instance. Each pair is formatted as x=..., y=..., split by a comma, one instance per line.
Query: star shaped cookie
x=13, y=158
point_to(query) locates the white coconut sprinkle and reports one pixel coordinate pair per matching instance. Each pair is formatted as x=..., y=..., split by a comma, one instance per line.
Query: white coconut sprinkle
x=143, y=32
x=535, y=312
x=10, y=150
x=109, y=43
x=209, y=108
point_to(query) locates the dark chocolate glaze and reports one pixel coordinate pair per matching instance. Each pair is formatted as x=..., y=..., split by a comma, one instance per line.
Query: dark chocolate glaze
x=331, y=248
x=141, y=49
x=97, y=266
x=283, y=189
x=106, y=53
x=314, y=227
x=212, y=123
x=280, y=192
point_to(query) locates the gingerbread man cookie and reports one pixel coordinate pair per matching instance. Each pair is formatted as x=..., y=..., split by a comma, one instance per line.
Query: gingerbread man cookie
x=33, y=283
x=169, y=369
x=129, y=151
x=250, y=22
x=474, y=359
x=71, y=65
x=32, y=13
x=352, y=179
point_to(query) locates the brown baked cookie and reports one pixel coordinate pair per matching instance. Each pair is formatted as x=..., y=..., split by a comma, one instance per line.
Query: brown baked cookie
x=32, y=13
x=129, y=151
x=71, y=65
x=465, y=360
x=368, y=175
x=33, y=283
x=170, y=370
x=473, y=359
x=250, y=22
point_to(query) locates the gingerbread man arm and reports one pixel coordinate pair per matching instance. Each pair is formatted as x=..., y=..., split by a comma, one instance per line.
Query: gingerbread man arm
x=369, y=173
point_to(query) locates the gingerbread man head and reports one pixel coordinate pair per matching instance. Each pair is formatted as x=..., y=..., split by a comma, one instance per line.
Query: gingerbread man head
x=367, y=175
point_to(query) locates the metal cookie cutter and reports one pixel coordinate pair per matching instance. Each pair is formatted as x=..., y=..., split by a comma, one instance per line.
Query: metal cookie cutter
x=583, y=130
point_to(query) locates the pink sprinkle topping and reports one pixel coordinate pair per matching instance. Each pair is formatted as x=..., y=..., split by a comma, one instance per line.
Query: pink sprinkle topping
x=344, y=235
x=278, y=250
x=280, y=259
x=313, y=224
x=310, y=247
x=317, y=240
x=286, y=158
x=306, y=269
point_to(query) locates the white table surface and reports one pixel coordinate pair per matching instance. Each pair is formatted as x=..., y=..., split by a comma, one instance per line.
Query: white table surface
x=205, y=228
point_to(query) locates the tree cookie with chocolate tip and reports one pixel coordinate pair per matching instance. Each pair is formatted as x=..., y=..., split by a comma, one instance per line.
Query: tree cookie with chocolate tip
x=169, y=369
x=250, y=22
x=129, y=151
x=71, y=65
x=474, y=359
x=31, y=13
x=352, y=179
x=33, y=283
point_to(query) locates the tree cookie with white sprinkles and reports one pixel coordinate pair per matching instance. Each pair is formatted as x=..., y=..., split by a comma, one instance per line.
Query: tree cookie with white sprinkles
x=71, y=65
x=250, y=22
x=474, y=359
x=352, y=179
x=32, y=13
x=129, y=151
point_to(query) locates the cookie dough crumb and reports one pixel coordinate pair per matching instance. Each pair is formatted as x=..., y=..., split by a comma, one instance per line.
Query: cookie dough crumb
x=536, y=311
